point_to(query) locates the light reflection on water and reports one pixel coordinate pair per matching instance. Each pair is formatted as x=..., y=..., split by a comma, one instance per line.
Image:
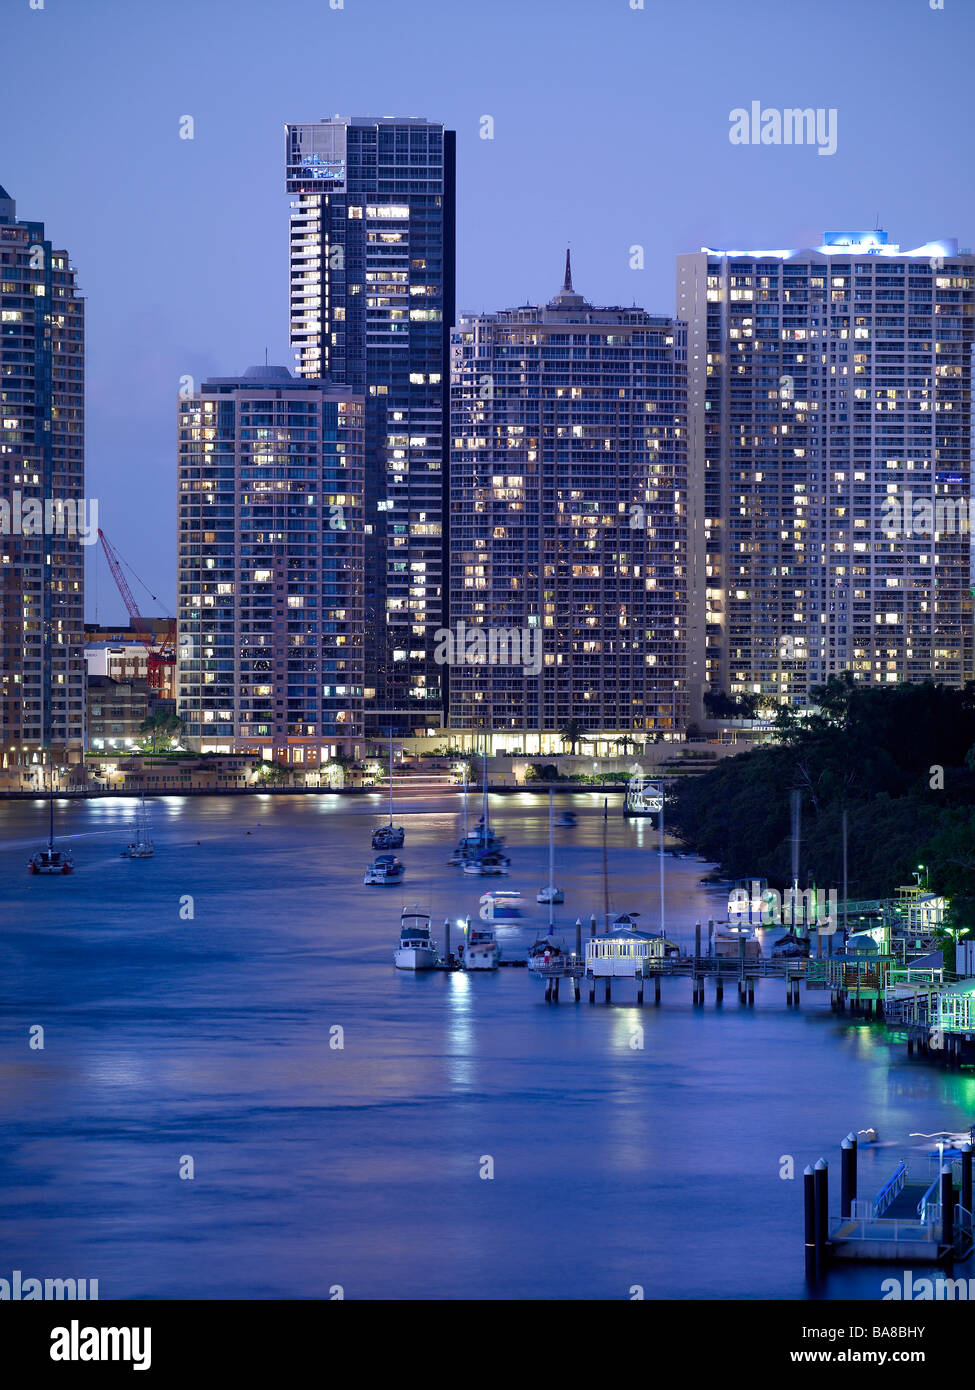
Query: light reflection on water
x=315, y=1165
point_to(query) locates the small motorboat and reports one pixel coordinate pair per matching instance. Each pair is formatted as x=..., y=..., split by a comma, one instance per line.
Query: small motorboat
x=735, y=942
x=385, y=868
x=481, y=950
x=417, y=949
x=491, y=862
x=790, y=947
x=566, y=820
x=550, y=895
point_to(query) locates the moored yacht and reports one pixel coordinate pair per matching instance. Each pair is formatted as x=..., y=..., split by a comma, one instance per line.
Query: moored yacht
x=142, y=847
x=51, y=860
x=385, y=868
x=490, y=862
x=417, y=949
x=545, y=952
x=389, y=836
x=481, y=950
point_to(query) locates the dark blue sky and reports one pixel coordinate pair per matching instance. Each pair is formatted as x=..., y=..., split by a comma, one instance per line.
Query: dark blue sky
x=611, y=129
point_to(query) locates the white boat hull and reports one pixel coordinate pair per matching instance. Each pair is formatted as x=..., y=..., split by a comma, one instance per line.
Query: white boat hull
x=550, y=895
x=415, y=958
x=382, y=879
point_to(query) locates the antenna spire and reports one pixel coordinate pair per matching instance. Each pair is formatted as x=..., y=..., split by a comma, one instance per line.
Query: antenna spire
x=567, y=284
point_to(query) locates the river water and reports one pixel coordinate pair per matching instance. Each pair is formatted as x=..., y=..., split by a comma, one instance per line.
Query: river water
x=317, y=1167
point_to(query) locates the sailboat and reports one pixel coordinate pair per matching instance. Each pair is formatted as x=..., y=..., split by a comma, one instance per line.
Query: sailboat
x=481, y=853
x=389, y=836
x=51, y=860
x=142, y=846
x=551, y=894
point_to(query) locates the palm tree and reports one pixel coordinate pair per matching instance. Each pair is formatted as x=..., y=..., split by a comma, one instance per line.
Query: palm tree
x=572, y=734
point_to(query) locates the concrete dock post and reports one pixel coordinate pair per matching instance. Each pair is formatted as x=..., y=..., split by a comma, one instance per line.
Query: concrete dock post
x=548, y=991
x=697, y=941
x=575, y=988
x=718, y=988
x=788, y=989
x=656, y=989
x=848, y=1175
x=592, y=924
x=947, y=1206
x=710, y=936
x=555, y=990
x=446, y=942
x=821, y=1176
x=750, y=986
x=592, y=990
x=639, y=989
x=809, y=1203
x=608, y=978
x=579, y=938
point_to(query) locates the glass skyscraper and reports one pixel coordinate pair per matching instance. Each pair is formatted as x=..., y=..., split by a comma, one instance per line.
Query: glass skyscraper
x=270, y=567
x=828, y=388
x=568, y=520
x=372, y=303
x=42, y=482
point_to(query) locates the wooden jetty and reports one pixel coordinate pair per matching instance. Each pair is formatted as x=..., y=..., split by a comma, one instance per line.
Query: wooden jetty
x=918, y=1221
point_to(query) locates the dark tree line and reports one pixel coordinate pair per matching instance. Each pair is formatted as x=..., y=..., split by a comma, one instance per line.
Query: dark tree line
x=900, y=759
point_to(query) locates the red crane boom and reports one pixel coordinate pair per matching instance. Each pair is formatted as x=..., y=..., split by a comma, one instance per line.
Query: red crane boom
x=158, y=655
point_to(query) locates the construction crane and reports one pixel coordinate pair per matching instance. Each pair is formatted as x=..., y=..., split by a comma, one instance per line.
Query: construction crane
x=159, y=653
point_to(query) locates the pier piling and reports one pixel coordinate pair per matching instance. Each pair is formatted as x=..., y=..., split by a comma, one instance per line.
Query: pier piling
x=697, y=940
x=656, y=989
x=966, y=1176
x=809, y=1198
x=446, y=941
x=947, y=1205
x=848, y=1175
x=821, y=1177
x=579, y=938
x=607, y=989
x=718, y=989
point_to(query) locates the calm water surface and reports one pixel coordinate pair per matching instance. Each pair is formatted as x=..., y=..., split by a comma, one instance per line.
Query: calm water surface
x=315, y=1166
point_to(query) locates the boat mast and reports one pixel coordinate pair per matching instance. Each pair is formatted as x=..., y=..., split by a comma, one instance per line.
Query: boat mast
x=605, y=863
x=390, y=778
x=465, y=800
x=551, y=864
x=487, y=812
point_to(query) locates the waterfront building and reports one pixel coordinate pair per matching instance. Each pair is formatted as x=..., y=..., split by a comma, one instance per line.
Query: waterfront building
x=372, y=302
x=119, y=651
x=43, y=515
x=567, y=525
x=829, y=413
x=270, y=567
x=116, y=711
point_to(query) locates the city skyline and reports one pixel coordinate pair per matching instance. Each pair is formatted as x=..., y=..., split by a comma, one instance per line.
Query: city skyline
x=117, y=185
